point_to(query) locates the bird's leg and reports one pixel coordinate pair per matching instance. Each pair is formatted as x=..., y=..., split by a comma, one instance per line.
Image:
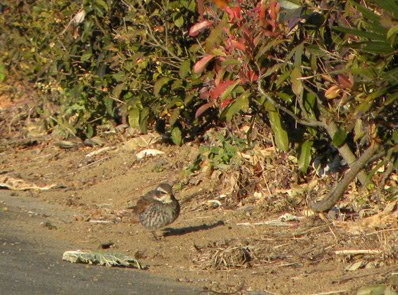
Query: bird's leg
x=157, y=238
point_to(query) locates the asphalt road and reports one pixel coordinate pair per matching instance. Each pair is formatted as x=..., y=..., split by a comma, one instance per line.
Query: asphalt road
x=32, y=265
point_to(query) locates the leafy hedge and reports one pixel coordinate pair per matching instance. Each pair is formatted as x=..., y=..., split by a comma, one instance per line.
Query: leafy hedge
x=104, y=61
x=183, y=65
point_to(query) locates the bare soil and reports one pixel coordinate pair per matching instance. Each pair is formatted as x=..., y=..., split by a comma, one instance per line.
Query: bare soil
x=30, y=259
x=211, y=245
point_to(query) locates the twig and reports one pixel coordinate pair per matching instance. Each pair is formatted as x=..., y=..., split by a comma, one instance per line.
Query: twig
x=272, y=222
x=322, y=216
x=93, y=163
x=383, y=230
x=360, y=251
x=360, y=276
x=101, y=221
x=287, y=264
x=331, y=292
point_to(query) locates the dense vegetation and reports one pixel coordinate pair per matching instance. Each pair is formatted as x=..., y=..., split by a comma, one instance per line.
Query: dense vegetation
x=319, y=73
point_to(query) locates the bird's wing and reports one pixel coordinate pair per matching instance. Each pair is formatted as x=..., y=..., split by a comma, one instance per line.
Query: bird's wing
x=144, y=202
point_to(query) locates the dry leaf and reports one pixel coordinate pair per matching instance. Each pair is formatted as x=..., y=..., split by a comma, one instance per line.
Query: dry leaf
x=332, y=92
x=148, y=152
x=20, y=185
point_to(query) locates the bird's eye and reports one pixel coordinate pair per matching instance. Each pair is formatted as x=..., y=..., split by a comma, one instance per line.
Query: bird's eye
x=162, y=191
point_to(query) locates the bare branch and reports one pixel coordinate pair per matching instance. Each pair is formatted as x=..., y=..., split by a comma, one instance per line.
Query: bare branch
x=339, y=188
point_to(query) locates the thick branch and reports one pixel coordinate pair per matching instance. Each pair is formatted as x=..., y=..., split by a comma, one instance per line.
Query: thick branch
x=345, y=151
x=355, y=165
x=339, y=188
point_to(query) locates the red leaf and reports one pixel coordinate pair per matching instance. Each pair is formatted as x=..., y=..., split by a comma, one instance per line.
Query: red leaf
x=203, y=108
x=199, y=27
x=253, y=76
x=202, y=63
x=238, y=45
x=220, y=76
x=226, y=102
x=200, y=8
x=274, y=10
x=262, y=9
x=234, y=13
x=204, y=93
x=219, y=89
x=345, y=81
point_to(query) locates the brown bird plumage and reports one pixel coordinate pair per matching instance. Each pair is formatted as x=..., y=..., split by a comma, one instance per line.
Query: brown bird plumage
x=157, y=208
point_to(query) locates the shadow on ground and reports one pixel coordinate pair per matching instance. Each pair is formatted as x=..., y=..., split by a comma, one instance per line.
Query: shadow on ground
x=190, y=229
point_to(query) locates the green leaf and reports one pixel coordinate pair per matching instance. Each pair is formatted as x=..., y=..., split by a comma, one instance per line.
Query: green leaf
x=179, y=22
x=274, y=69
x=368, y=14
x=289, y=4
x=159, y=84
x=144, y=118
x=86, y=56
x=392, y=32
x=372, y=20
x=77, y=90
x=310, y=104
x=109, y=105
x=390, y=76
x=298, y=55
x=90, y=131
x=394, y=137
x=231, y=61
x=281, y=137
x=378, y=47
x=185, y=68
x=358, y=130
x=297, y=84
x=240, y=104
x=389, y=5
x=367, y=74
x=102, y=3
x=2, y=72
x=391, y=98
x=304, y=159
x=176, y=136
x=215, y=35
x=175, y=114
x=119, y=76
x=134, y=117
x=359, y=33
x=339, y=137
x=228, y=91
x=117, y=90
x=177, y=84
x=218, y=52
x=283, y=77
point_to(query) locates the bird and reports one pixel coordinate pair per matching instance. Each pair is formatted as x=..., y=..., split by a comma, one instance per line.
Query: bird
x=157, y=208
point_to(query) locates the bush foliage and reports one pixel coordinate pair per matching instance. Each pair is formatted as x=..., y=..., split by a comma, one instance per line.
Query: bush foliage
x=307, y=66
